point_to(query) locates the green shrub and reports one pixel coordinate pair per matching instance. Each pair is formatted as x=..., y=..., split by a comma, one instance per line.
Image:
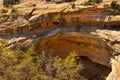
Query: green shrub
x=27, y=65
x=67, y=67
x=91, y=2
x=10, y=2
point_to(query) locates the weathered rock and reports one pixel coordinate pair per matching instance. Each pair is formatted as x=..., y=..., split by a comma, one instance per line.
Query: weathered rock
x=115, y=73
x=96, y=17
x=48, y=16
x=1, y=2
x=82, y=43
x=111, y=37
x=109, y=1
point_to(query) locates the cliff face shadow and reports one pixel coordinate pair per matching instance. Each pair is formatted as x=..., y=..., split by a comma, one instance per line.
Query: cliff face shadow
x=92, y=70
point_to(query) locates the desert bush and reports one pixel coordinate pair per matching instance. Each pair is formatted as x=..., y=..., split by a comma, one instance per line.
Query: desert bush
x=67, y=67
x=59, y=1
x=10, y=2
x=96, y=1
x=91, y=2
x=28, y=65
x=115, y=5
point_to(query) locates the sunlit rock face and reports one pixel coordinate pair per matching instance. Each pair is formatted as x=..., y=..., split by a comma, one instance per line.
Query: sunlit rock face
x=84, y=44
x=48, y=16
x=112, y=38
x=90, y=16
x=115, y=73
x=1, y=2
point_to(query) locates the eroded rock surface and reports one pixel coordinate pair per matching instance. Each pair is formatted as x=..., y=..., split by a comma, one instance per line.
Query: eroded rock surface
x=82, y=43
x=52, y=26
x=112, y=37
x=115, y=73
x=48, y=15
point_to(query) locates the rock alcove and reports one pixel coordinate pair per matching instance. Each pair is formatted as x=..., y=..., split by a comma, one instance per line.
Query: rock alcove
x=93, y=33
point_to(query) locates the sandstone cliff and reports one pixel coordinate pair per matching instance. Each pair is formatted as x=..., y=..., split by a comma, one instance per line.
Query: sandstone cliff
x=59, y=29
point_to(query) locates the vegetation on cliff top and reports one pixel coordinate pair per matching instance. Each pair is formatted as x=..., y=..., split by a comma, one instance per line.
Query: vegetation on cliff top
x=10, y=2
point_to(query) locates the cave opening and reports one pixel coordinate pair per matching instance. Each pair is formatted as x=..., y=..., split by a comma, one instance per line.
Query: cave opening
x=92, y=70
